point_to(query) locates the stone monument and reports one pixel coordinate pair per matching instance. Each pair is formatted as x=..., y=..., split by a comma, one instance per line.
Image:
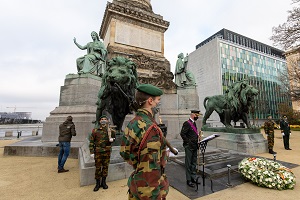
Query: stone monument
x=131, y=29
x=78, y=96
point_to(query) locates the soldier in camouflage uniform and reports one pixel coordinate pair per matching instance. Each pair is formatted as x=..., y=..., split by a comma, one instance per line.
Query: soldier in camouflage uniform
x=144, y=147
x=269, y=131
x=100, y=149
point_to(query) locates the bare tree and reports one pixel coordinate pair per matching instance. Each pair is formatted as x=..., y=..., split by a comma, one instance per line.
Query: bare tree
x=287, y=34
x=290, y=79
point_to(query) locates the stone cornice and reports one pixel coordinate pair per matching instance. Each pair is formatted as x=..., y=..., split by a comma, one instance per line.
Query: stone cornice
x=132, y=14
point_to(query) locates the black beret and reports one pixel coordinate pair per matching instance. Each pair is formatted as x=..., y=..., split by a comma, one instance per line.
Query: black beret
x=150, y=89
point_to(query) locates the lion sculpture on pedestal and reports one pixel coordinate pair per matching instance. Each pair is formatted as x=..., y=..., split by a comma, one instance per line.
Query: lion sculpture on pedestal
x=117, y=91
x=233, y=105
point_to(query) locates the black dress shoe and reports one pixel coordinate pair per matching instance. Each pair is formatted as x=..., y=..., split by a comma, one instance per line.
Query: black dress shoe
x=288, y=149
x=195, y=181
x=189, y=183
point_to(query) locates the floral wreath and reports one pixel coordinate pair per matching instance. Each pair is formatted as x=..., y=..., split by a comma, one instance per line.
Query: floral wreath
x=267, y=173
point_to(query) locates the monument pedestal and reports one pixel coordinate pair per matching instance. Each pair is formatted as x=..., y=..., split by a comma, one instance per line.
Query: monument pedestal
x=78, y=98
x=249, y=141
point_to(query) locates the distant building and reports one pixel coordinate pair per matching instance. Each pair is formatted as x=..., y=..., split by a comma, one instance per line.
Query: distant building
x=226, y=57
x=293, y=61
x=15, y=115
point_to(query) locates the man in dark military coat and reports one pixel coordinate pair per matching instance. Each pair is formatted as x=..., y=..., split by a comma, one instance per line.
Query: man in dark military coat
x=286, y=132
x=144, y=147
x=100, y=149
x=190, y=136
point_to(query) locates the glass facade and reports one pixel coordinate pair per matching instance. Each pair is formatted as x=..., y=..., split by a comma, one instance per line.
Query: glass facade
x=262, y=71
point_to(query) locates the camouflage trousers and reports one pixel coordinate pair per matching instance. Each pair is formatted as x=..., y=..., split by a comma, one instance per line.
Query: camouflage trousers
x=101, y=163
x=139, y=191
x=270, y=140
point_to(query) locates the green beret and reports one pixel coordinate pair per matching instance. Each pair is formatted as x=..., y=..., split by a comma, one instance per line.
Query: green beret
x=103, y=116
x=150, y=89
x=268, y=115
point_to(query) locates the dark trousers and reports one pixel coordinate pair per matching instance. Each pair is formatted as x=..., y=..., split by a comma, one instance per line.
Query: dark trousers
x=286, y=141
x=190, y=162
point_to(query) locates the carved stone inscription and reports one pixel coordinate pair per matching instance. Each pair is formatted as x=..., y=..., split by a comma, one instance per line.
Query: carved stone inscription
x=137, y=37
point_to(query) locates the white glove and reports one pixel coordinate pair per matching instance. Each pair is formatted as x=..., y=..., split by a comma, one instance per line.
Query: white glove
x=112, y=139
x=170, y=153
x=267, y=135
x=282, y=134
x=92, y=155
x=290, y=133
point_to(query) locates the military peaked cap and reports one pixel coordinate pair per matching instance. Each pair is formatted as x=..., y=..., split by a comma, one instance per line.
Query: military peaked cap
x=150, y=89
x=195, y=111
x=284, y=116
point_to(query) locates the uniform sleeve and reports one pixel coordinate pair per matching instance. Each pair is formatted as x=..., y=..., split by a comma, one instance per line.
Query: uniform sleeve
x=281, y=126
x=129, y=148
x=73, y=131
x=92, y=142
x=266, y=128
x=184, y=131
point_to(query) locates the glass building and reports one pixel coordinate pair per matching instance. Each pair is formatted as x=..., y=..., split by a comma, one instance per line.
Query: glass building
x=226, y=57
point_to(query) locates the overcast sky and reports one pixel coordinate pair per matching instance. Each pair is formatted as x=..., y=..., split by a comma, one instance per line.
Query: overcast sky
x=37, y=49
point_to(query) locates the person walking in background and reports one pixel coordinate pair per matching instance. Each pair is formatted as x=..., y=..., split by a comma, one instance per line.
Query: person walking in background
x=190, y=137
x=144, y=147
x=100, y=148
x=66, y=131
x=286, y=132
x=269, y=131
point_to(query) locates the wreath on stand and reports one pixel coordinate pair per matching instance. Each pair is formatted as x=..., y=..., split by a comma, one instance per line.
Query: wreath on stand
x=267, y=173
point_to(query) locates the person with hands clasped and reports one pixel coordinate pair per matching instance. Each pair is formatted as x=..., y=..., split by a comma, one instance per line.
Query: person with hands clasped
x=190, y=137
x=100, y=149
x=286, y=132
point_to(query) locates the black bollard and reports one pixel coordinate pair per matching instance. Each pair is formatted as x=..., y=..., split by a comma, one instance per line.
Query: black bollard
x=229, y=176
x=274, y=155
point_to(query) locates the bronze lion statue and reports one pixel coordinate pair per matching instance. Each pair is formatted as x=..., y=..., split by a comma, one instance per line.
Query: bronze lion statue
x=117, y=90
x=233, y=105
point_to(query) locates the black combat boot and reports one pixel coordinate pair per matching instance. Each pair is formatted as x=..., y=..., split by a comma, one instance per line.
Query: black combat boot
x=104, y=183
x=271, y=151
x=97, y=185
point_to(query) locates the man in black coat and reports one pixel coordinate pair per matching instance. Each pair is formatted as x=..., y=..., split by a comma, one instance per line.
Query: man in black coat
x=190, y=136
x=286, y=132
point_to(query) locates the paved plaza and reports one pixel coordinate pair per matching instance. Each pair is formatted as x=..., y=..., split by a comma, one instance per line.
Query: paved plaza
x=37, y=178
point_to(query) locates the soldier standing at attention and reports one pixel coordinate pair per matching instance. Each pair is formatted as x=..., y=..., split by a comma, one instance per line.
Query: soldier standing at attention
x=100, y=149
x=286, y=132
x=66, y=131
x=190, y=138
x=144, y=147
x=269, y=131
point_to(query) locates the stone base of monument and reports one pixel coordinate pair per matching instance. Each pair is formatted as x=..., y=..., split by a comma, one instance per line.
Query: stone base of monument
x=118, y=169
x=249, y=141
x=78, y=98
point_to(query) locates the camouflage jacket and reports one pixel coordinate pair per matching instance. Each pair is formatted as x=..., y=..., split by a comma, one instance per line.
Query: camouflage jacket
x=147, y=156
x=269, y=127
x=99, y=141
x=66, y=131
